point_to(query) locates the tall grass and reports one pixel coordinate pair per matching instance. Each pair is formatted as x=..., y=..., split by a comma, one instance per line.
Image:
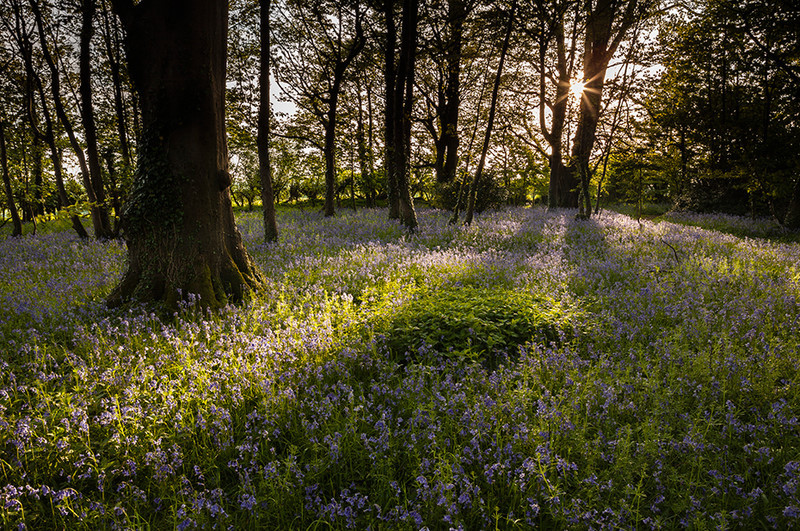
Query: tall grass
x=612, y=374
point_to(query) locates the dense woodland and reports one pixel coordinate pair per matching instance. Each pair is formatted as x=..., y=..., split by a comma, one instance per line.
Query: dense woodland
x=486, y=103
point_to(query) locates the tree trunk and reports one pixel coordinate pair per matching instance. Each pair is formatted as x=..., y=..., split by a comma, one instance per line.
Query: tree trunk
x=452, y=92
x=179, y=225
x=111, y=39
x=55, y=87
x=341, y=62
x=561, y=192
x=473, y=189
x=22, y=38
x=600, y=45
x=361, y=144
x=329, y=151
x=403, y=105
x=792, y=219
x=12, y=207
x=108, y=155
x=264, y=168
x=102, y=224
x=389, y=78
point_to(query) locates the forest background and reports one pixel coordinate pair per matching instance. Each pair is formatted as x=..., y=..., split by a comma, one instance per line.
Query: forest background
x=695, y=106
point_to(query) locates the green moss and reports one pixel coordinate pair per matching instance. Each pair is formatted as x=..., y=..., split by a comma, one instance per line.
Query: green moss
x=211, y=295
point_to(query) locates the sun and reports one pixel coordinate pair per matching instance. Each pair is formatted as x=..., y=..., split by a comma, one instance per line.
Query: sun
x=577, y=88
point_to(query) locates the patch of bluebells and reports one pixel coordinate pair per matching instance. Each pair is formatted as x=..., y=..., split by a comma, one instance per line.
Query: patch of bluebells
x=675, y=407
x=739, y=225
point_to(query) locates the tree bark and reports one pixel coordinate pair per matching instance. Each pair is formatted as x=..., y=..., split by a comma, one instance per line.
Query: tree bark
x=264, y=167
x=389, y=111
x=22, y=37
x=473, y=189
x=37, y=152
x=12, y=207
x=562, y=187
x=111, y=39
x=329, y=151
x=364, y=165
x=102, y=227
x=179, y=225
x=792, y=218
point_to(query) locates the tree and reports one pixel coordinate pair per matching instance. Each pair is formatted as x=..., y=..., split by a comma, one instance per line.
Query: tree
x=22, y=38
x=179, y=226
x=399, y=101
x=98, y=222
x=102, y=223
x=441, y=84
x=319, y=42
x=112, y=42
x=55, y=158
x=473, y=190
x=725, y=102
x=553, y=28
x=12, y=207
x=607, y=23
x=264, y=168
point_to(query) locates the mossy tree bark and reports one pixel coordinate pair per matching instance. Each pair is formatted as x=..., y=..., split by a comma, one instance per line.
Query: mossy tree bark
x=179, y=226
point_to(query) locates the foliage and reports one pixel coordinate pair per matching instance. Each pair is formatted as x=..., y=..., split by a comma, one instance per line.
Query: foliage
x=471, y=322
x=723, y=104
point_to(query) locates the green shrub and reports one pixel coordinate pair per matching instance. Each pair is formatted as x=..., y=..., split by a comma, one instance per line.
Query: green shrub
x=473, y=322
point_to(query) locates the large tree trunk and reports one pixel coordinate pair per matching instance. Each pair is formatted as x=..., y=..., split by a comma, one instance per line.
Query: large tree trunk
x=179, y=225
x=12, y=207
x=264, y=168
